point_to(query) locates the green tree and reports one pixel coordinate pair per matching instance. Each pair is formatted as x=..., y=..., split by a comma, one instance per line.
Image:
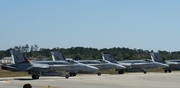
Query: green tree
x=78, y=57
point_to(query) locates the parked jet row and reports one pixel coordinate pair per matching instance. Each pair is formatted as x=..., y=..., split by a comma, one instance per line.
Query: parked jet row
x=177, y=67
x=50, y=68
x=136, y=64
x=172, y=63
x=57, y=56
x=102, y=64
x=72, y=67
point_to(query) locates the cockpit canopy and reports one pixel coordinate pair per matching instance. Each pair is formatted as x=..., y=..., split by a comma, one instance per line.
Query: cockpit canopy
x=71, y=61
x=148, y=60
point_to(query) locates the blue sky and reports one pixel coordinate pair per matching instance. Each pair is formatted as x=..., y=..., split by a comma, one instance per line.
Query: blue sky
x=141, y=24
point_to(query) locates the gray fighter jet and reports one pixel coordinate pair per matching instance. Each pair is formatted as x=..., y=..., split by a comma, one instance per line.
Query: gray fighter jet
x=172, y=63
x=57, y=56
x=102, y=64
x=39, y=68
x=135, y=64
x=177, y=61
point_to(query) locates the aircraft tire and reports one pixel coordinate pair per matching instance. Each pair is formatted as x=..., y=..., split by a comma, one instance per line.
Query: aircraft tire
x=70, y=74
x=37, y=76
x=121, y=72
x=99, y=73
x=165, y=70
x=169, y=70
x=67, y=76
x=145, y=72
x=74, y=74
x=34, y=76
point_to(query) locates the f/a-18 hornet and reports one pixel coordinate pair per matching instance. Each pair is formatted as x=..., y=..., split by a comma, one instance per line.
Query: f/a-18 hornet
x=102, y=64
x=135, y=64
x=44, y=68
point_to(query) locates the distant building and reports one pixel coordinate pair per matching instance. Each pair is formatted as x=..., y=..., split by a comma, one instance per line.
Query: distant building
x=6, y=60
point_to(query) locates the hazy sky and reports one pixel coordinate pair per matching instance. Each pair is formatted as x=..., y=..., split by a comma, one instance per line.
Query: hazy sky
x=141, y=24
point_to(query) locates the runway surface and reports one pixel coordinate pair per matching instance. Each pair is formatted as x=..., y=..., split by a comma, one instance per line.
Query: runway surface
x=127, y=80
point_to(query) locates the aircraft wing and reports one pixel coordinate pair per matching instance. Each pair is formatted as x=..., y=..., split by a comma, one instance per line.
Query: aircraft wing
x=127, y=65
x=175, y=63
x=133, y=65
x=36, y=67
x=139, y=65
x=147, y=65
x=172, y=64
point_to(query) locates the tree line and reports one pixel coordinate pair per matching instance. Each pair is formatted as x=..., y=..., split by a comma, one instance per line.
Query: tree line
x=79, y=53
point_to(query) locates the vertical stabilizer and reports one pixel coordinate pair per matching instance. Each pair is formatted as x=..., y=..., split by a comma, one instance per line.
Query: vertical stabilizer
x=156, y=57
x=18, y=57
x=57, y=56
x=109, y=58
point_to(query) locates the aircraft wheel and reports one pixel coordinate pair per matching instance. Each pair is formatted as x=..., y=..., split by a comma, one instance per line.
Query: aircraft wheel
x=35, y=76
x=165, y=70
x=145, y=72
x=67, y=76
x=169, y=70
x=74, y=74
x=99, y=73
x=121, y=72
x=70, y=74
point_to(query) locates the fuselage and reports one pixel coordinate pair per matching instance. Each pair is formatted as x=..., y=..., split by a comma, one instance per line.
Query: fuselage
x=66, y=66
x=146, y=63
x=102, y=64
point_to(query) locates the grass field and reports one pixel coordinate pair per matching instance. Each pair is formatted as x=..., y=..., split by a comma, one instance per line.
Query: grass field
x=112, y=71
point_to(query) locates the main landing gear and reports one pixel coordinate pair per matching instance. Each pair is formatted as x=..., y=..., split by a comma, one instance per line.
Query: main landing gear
x=99, y=73
x=72, y=74
x=67, y=76
x=167, y=70
x=144, y=71
x=121, y=71
x=35, y=76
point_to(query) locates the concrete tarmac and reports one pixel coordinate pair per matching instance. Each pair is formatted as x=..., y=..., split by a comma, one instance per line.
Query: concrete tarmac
x=127, y=80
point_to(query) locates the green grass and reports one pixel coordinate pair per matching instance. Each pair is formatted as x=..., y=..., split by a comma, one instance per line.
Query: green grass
x=156, y=70
x=112, y=71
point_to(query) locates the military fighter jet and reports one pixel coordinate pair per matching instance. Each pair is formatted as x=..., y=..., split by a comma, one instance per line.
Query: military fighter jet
x=172, y=63
x=57, y=56
x=177, y=61
x=135, y=64
x=39, y=68
x=102, y=64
